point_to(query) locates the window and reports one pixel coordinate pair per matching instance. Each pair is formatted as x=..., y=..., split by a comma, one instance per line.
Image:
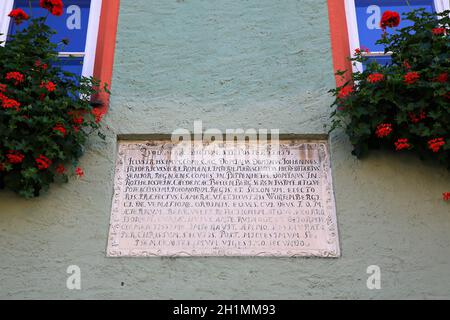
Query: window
x=98, y=35
x=363, y=23
x=79, y=24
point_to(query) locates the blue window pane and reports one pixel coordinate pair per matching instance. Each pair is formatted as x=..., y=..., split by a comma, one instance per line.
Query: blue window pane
x=72, y=65
x=382, y=60
x=369, y=12
x=72, y=25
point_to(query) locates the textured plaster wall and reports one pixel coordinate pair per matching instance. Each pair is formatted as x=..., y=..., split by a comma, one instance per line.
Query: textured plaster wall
x=247, y=63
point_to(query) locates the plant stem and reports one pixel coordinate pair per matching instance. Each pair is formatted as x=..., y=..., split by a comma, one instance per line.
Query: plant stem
x=409, y=5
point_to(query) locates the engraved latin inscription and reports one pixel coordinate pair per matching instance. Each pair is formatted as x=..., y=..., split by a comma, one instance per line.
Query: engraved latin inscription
x=225, y=199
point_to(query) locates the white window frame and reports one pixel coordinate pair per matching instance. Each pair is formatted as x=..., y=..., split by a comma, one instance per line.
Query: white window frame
x=91, y=37
x=353, y=32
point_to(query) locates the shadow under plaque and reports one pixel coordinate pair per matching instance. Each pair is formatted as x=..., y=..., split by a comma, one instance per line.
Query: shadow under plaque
x=223, y=199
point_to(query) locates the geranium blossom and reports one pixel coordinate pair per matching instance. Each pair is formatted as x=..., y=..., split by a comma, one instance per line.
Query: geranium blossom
x=48, y=85
x=14, y=157
x=18, y=15
x=98, y=114
x=361, y=50
x=60, y=169
x=417, y=118
x=411, y=77
x=402, y=144
x=345, y=92
x=375, y=77
x=406, y=65
x=60, y=128
x=390, y=19
x=55, y=7
x=442, y=78
x=79, y=172
x=39, y=64
x=16, y=76
x=9, y=103
x=43, y=162
x=436, y=144
x=383, y=130
x=438, y=31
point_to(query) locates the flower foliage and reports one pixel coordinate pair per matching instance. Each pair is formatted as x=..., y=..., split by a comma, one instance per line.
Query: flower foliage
x=46, y=114
x=404, y=105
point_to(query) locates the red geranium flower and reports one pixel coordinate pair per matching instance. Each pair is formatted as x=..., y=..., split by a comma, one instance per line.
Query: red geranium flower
x=417, y=118
x=383, y=130
x=406, y=64
x=375, y=77
x=442, y=78
x=345, y=91
x=98, y=114
x=438, y=31
x=402, y=144
x=436, y=144
x=411, y=77
x=60, y=169
x=39, y=64
x=78, y=120
x=10, y=103
x=14, y=157
x=390, y=19
x=77, y=117
x=361, y=50
x=16, y=76
x=50, y=86
x=79, y=172
x=2, y=88
x=43, y=162
x=60, y=128
x=446, y=196
x=18, y=15
x=54, y=6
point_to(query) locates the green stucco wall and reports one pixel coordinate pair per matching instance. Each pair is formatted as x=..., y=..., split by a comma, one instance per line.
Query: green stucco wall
x=232, y=64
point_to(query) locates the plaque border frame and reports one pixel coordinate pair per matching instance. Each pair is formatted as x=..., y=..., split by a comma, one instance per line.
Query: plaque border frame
x=142, y=144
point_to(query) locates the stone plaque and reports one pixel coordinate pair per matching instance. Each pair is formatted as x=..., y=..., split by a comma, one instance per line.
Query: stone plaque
x=223, y=199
